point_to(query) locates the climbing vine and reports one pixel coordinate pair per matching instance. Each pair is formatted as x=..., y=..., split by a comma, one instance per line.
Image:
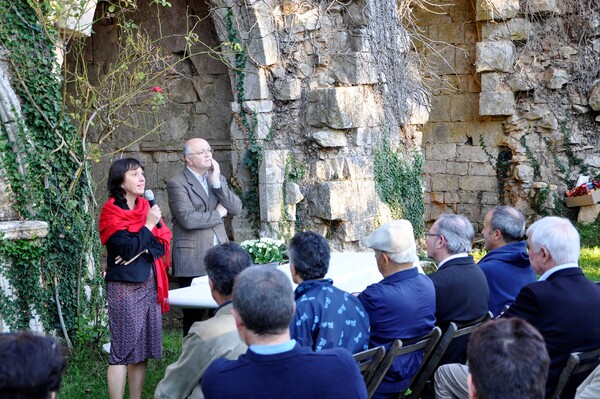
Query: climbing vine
x=47, y=275
x=399, y=183
x=248, y=122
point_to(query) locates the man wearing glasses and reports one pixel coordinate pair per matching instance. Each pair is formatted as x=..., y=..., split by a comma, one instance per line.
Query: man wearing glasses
x=199, y=199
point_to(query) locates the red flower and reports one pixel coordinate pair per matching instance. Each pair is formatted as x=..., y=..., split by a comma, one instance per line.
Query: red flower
x=157, y=89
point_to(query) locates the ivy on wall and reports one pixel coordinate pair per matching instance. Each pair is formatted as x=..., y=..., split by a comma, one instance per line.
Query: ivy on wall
x=399, y=183
x=48, y=275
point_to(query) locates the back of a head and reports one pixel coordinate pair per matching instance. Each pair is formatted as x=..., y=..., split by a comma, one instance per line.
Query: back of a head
x=508, y=359
x=31, y=366
x=558, y=236
x=223, y=263
x=458, y=232
x=264, y=299
x=309, y=253
x=510, y=222
x=396, y=239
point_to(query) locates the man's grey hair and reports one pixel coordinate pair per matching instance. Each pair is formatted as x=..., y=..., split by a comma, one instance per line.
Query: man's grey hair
x=407, y=256
x=458, y=232
x=264, y=299
x=509, y=221
x=558, y=236
x=186, y=150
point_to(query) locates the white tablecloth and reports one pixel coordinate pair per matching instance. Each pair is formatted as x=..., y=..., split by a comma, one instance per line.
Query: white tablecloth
x=350, y=271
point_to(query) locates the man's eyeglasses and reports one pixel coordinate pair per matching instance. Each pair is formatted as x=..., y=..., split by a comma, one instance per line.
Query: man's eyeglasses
x=432, y=234
x=202, y=152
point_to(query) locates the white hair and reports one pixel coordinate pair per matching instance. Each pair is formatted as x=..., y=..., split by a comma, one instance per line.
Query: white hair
x=558, y=236
x=407, y=256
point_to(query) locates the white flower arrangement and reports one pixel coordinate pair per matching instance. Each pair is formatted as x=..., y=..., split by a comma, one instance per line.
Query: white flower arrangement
x=265, y=250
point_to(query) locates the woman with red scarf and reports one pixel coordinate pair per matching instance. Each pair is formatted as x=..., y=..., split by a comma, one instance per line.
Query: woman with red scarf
x=136, y=278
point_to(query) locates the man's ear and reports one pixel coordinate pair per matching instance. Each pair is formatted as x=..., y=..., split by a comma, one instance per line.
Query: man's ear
x=472, y=391
x=238, y=320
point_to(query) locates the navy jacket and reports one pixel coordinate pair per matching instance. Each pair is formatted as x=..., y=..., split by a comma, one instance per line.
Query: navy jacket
x=462, y=295
x=507, y=270
x=299, y=373
x=401, y=306
x=564, y=308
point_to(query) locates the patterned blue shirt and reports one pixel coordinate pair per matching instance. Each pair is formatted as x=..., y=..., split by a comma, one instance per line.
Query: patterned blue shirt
x=327, y=317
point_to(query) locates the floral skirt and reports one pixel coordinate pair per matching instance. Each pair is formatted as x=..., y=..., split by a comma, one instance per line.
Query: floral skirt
x=134, y=321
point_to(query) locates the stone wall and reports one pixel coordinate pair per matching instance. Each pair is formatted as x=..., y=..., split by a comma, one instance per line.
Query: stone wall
x=512, y=116
x=322, y=86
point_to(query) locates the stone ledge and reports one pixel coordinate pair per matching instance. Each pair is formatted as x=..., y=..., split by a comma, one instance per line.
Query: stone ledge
x=23, y=230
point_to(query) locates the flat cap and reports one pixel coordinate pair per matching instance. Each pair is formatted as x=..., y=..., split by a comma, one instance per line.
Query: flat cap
x=393, y=237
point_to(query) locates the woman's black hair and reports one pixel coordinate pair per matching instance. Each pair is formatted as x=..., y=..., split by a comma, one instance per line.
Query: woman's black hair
x=116, y=175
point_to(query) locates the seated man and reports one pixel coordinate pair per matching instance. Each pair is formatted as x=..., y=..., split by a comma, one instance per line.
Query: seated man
x=402, y=305
x=559, y=304
x=506, y=265
x=31, y=366
x=275, y=366
x=507, y=360
x=326, y=317
x=213, y=338
x=461, y=288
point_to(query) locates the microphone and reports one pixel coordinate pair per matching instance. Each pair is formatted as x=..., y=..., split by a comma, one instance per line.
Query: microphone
x=150, y=197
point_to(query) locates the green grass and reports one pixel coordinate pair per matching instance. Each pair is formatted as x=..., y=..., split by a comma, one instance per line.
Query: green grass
x=85, y=376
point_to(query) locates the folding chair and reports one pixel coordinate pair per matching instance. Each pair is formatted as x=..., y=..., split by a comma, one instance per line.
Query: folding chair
x=578, y=364
x=428, y=367
x=368, y=361
x=399, y=348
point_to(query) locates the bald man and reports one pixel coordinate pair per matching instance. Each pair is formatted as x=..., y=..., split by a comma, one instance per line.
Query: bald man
x=199, y=199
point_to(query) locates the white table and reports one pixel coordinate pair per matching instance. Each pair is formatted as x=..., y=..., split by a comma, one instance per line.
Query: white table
x=350, y=271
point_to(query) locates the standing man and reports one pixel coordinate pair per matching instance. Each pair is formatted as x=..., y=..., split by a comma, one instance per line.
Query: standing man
x=275, y=366
x=506, y=265
x=402, y=305
x=199, y=199
x=326, y=317
x=461, y=289
x=213, y=338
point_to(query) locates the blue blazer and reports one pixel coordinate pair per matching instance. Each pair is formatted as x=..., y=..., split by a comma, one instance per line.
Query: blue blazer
x=565, y=309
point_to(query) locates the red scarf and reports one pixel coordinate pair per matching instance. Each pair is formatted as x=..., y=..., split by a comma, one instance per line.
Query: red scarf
x=113, y=219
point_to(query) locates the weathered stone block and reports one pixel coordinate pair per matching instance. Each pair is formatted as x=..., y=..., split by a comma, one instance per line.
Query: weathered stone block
x=457, y=168
x=496, y=56
x=522, y=81
x=440, y=109
x=555, y=78
x=353, y=68
x=288, y=89
x=494, y=81
x=481, y=169
x=23, y=230
x=516, y=29
x=344, y=200
x=464, y=60
x=418, y=112
x=463, y=107
x=329, y=138
x=524, y=173
x=271, y=201
x=293, y=195
x=442, y=183
x=594, y=98
x=479, y=183
x=544, y=7
x=474, y=153
x=496, y=9
x=255, y=84
x=588, y=214
x=496, y=103
x=258, y=106
x=440, y=152
x=272, y=169
x=432, y=167
x=343, y=108
x=451, y=33
x=303, y=22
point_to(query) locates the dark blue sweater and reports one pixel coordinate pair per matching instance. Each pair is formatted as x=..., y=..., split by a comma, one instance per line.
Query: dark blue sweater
x=299, y=373
x=507, y=270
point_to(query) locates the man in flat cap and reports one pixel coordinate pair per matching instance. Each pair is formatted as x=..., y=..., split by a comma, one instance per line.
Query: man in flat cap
x=402, y=305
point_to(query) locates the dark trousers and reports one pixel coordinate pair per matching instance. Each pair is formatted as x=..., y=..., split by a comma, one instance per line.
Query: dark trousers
x=191, y=315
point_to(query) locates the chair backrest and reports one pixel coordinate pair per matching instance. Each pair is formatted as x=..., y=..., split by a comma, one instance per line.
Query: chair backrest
x=399, y=348
x=578, y=363
x=428, y=367
x=368, y=361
